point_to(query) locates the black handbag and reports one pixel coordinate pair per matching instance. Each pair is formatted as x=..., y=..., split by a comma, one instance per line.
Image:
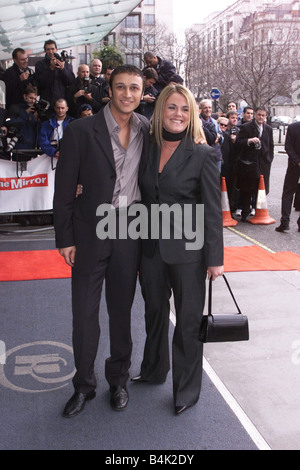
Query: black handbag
x=221, y=327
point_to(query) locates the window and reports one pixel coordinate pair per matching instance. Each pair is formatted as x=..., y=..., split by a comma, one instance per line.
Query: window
x=132, y=41
x=84, y=58
x=131, y=21
x=149, y=39
x=149, y=20
x=134, y=59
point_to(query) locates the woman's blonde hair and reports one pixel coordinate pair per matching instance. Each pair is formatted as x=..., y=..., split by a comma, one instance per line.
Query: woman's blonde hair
x=194, y=128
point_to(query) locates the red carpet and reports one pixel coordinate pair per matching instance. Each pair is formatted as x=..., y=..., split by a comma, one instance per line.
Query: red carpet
x=48, y=264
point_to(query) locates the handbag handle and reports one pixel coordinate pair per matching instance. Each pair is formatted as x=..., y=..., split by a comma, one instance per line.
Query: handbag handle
x=210, y=295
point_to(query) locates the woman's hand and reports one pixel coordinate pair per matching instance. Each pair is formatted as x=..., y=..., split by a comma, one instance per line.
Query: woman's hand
x=79, y=190
x=215, y=271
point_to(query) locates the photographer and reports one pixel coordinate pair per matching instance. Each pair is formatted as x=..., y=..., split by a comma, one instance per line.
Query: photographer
x=147, y=103
x=3, y=133
x=23, y=124
x=104, y=87
x=51, y=131
x=83, y=92
x=229, y=153
x=53, y=74
x=17, y=77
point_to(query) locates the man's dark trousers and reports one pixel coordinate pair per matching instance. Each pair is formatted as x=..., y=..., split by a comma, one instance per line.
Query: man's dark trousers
x=289, y=188
x=118, y=266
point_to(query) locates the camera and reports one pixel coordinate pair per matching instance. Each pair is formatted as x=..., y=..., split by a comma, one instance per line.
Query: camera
x=233, y=131
x=86, y=85
x=63, y=57
x=14, y=133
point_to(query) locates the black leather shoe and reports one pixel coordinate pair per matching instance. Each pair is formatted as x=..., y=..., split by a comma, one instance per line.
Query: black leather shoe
x=118, y=397
x=76, y=403
x=282, y=228
x=181, y=409
x=138, y=379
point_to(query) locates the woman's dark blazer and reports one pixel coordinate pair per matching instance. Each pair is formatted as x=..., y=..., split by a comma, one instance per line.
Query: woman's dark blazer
x=191, y=177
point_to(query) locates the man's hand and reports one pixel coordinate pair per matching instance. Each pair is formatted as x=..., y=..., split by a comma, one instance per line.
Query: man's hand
x=68, y=254
x=215, y=271
x=24, y=75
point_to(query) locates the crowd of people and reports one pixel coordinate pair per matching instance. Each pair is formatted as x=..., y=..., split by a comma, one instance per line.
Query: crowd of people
x=117, y=158
x=41, y=103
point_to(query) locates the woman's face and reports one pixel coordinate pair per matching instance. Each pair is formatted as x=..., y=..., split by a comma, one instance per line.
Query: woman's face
x=176, y=113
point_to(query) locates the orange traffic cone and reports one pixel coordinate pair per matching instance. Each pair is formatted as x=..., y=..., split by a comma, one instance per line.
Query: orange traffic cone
x=261, y=212
x=228, y=221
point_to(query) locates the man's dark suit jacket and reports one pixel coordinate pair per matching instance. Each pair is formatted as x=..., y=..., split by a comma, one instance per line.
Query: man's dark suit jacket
x=249, y=152
x=190, y=177
x=86, y=157
x=265, y=155
x=292, y=142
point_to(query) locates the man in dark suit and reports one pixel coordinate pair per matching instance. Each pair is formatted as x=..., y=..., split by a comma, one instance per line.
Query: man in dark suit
x=255, y=146
x=17, y=77
x=292, y=176
x=105, y=153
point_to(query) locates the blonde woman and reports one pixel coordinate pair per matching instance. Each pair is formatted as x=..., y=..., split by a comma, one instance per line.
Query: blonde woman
x=183, y=177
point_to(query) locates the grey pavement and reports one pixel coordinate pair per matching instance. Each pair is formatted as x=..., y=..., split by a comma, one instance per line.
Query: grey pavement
x=263, y=374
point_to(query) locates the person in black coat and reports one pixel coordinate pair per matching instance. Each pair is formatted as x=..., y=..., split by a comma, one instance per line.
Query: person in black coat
x=93, y=154
x=292, y=177
x=184, y=174
x=53, y=74
x=17, y=77
x=83, y=92
x=255, y=147
x=164, y=68
x=147, y=104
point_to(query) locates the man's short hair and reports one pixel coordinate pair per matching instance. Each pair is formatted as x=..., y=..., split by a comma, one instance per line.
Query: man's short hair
x=61, y=100
x=30, y=89
x=17, y=51
x=149, y=55
x=205, y=100
x=261, y=108
x=149, y=72
x=246, y=109
x=231, y=113
x=48, y=42
x=109, y=67
x=130, y=69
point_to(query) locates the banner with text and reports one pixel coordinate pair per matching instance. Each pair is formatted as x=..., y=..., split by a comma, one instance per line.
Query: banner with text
x=27, y=186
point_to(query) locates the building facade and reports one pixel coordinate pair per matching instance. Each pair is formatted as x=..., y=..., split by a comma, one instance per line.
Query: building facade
x=250, y=51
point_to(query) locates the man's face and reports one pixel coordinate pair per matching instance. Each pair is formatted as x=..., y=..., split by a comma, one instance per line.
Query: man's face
x=30, y=98
x=83, y=72
x=149, y=82
x=86, y=112
x=21, y=60
x=260, y=116
x=96, y=68
x=248, y=115
x=151, y=61
x=231, y=107
x=127, y=90
x=206, y=110
x=61, y=110
x=107, y=75
x=233, y=120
